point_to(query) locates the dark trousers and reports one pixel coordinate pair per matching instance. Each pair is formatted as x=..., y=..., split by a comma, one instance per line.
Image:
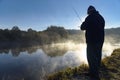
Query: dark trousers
x=94, y=53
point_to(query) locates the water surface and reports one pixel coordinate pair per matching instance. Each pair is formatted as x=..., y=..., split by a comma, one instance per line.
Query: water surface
x=34, y=63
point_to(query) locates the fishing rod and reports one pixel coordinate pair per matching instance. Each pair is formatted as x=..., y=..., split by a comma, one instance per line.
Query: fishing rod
x=77, y=14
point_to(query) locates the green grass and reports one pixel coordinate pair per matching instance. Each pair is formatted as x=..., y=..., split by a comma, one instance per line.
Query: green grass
x=110, y=70
x=69, y=73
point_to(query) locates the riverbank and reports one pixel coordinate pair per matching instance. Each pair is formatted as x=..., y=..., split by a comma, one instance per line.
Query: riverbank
x=109, y=70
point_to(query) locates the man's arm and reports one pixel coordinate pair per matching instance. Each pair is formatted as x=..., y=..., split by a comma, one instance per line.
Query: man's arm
x=85, y=24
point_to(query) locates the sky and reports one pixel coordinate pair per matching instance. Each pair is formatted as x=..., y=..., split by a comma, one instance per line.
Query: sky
x=40, y=14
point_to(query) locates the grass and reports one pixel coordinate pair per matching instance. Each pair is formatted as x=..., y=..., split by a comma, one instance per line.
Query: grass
x=69, y=73
x=110, y=70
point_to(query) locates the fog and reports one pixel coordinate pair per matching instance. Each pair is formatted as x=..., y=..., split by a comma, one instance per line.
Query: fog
x=72, y=58
x=38, y=64
x=77, y=52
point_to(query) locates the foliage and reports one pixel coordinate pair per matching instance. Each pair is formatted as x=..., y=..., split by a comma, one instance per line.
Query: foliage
x=53, y=34
x=59, y=30
x=69, y=73
x=15, y=36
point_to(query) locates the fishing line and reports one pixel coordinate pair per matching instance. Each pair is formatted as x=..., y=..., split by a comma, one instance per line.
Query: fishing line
x=77, y=14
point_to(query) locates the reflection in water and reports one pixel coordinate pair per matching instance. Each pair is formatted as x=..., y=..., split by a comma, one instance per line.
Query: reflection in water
x=16, y=51
x=35, y=66
x=37, y=62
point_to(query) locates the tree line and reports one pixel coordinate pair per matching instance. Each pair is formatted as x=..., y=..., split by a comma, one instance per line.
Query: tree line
x=17, y=37
x=53, y=34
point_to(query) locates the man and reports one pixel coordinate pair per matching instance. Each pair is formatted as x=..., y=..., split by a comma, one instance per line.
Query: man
x=94, y=27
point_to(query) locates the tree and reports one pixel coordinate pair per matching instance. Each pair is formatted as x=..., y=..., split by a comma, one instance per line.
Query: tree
x=15, y=34
x=59, y=30
x=15, y=28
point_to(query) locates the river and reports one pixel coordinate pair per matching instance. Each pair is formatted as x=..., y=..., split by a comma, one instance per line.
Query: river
x=35, y=63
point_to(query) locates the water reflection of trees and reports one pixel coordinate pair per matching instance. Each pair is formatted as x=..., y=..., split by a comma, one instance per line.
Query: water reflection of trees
x=16, y=51
x=47, y=49
x=29, y=50
x=6, y=51
x=54, y=50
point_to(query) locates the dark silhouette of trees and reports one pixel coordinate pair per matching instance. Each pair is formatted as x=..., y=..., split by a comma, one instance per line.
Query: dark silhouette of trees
x=53, y=34
x=59, y=30
x=15, y=34
x=17, y=37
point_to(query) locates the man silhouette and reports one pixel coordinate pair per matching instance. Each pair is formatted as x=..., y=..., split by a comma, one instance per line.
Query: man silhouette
x=94, y=27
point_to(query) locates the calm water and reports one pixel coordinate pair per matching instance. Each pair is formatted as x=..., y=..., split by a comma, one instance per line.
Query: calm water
x=37, y=62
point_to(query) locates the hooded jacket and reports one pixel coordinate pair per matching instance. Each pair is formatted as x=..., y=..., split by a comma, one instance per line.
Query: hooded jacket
x=94, y=26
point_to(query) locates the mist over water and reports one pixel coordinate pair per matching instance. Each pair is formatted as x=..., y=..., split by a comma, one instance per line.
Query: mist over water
x=78, y=51
x=38, y=64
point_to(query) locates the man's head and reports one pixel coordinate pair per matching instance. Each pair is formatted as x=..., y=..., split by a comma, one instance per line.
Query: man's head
x=91, y=9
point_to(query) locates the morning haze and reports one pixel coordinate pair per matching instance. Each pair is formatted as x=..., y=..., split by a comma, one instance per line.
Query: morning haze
x=42, y=40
